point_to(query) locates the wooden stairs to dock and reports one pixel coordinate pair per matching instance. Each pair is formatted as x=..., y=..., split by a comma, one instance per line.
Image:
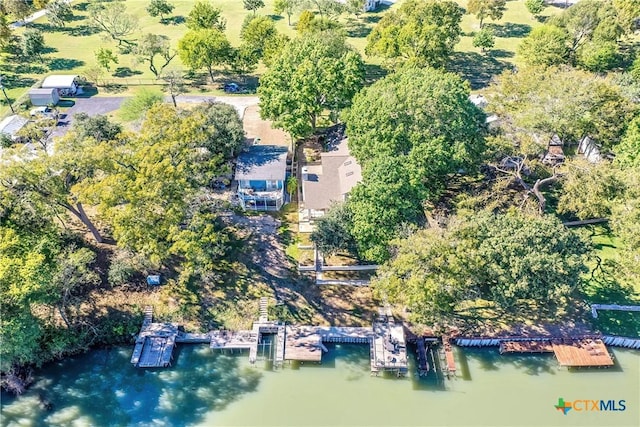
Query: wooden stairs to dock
x=263, y=310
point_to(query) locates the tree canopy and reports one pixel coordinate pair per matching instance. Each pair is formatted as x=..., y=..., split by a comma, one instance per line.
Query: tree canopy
x=419, y=32
x=563, y=101
x=502, y=258
x=205, y=16
x=418, y=126
x=204, y=49
x=314, y=75
x=483, y=9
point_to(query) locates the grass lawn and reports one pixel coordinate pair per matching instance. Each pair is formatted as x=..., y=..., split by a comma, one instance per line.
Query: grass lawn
x=72, y=48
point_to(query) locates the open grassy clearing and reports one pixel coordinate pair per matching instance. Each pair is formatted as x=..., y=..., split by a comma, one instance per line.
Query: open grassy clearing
x=72, y=48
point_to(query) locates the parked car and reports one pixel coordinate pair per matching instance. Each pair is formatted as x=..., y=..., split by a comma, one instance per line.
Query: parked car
x=47, y=112
x=231, y=88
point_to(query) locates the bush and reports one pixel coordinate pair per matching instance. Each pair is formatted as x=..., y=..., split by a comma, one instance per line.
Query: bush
x=135, y=108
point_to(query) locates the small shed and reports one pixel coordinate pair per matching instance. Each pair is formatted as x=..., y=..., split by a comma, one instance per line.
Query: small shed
x=12, y=125
x=153, y=279
x=44, y=97
x=67, y=85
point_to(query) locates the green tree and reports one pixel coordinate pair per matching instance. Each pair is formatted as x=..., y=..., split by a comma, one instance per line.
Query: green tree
x=150, y=188
x=308, y=22
x=20, y=9
x=244, y=59
x=160, y=8
x=388, y=200
x=327, y=8
x=97, y=127
x=6, y=35
x=312, y=75
x=292, y=186
x=599, y=56
x=205, y=16
x=590, y=190
x=48, y=182
x=409, y=131
x=59, y=12
x=502, y=258
x=589, y=20
x=418, y=32
x=355, y=6
x=111, y=17
x=285, y=6
x=535, y=7
x=152, y=45
x=484, y=39
x=482, y=9
x=628, y=151
x=332, y=233
x=545, y=45
x=136, y=107
x=257, y=32
x=627, y=12
x=33, y=43
x=204, y=49
x=582, y=105
x=105, y=57
x=253, y=5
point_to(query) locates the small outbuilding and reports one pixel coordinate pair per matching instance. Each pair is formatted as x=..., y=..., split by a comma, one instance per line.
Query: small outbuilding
x=44, y=97
x=67, y=85
x=12, y=125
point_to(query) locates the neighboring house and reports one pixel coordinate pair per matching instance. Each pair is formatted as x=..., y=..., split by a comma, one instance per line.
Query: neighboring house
x=590, y=150
x=44, y=97
x=369, y=5
x=554, y=154
x=331, y=180
x=261, y=173
x=12, y=125
x=67, y=85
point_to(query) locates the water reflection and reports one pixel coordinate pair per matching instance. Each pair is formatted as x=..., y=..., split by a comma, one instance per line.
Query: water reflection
x=103, y=389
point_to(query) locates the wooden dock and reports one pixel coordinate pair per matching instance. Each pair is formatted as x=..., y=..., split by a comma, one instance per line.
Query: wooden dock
x=388, y=348
x=581, y=353
x=526, y=347
x=450, y=362
x=154, y=344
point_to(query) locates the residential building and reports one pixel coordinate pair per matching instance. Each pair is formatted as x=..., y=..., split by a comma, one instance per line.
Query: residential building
x=261, y=174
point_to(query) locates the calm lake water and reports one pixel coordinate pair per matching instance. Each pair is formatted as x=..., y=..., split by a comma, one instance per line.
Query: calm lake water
x=101, y=388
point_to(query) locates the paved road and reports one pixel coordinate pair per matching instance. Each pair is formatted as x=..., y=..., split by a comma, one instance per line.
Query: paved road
x=32, y=17
x=103, y=105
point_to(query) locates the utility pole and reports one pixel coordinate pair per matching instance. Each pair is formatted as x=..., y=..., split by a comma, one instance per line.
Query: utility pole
x=6, y=97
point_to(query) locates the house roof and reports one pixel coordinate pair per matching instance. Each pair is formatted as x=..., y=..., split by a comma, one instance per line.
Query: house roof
x=59, y=81
x=262, y=162
x=12, y=124
x=42, y=91
x=329, y=183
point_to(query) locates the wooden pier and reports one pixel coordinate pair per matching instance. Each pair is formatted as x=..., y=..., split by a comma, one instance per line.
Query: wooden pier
x=450, y=363
x=386, y=340
x=582, y=351
x=155, y=343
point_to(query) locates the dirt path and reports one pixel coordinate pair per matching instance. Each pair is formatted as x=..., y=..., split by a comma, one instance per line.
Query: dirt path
x=306, y=302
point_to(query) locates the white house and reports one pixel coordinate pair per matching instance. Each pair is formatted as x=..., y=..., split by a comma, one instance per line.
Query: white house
x=590, y=150
x=67, y=85
x=12, y=125
x=369, y=5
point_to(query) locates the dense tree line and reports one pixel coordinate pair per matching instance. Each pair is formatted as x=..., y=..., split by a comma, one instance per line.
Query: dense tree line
x=147, y=191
